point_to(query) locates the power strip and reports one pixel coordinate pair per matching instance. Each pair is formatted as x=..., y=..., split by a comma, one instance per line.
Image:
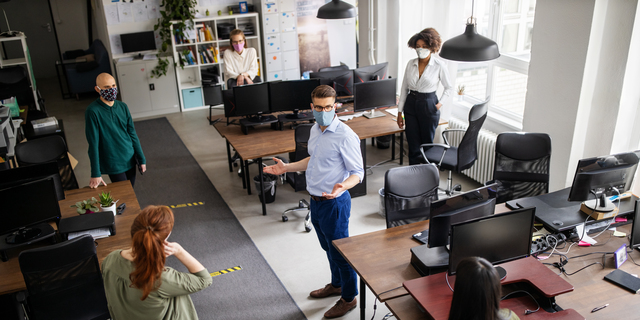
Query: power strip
x=547, y=242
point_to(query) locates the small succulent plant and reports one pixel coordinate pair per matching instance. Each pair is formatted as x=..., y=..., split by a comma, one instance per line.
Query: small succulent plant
x=87, y=206
x=106, y=200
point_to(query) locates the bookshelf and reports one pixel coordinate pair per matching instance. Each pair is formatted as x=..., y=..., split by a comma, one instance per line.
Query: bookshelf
x=25, y=61
x=203, y=53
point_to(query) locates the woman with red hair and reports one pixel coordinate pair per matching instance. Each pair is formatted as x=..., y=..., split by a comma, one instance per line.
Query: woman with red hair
x=137, y=283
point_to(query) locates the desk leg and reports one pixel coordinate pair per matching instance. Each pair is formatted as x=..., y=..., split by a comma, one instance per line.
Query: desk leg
x=229, y=156
x=263, y=199
x=401, y=147
x=247, y=175
x=363, y=299
x=373, y=141
x=393, y=147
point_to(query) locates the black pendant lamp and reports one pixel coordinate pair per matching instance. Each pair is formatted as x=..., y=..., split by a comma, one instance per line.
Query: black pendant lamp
x=336, y=9
x=470, y=46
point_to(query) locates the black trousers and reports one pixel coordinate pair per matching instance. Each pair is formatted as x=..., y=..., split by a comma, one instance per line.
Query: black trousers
x=421, y=120
x=128, y=175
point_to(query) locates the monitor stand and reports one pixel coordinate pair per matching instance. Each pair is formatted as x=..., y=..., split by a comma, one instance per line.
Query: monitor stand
x=600, y=204
x=502, y=273
x=296, y=115
x=46, y=231
x=23, y=235
x=258, y=120
x=373, y=114
x=428, y=261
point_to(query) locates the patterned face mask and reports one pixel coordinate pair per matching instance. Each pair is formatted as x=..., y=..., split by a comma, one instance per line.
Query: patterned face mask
x=109, y=94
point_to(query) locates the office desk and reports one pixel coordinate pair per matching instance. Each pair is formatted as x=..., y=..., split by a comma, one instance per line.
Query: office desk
x=264, y=142
x=11, y=279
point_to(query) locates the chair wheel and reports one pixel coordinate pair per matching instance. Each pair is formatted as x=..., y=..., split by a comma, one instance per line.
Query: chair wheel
x=457, y=187
x=285, y=218
x=307, y=229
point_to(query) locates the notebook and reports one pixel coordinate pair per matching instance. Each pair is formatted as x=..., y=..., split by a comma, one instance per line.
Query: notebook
x=624, y=280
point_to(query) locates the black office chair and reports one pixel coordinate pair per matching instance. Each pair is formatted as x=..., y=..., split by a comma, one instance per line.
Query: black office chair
x=334, y=68
x=408, y=192
x=42, y=150
x=521, y=166
x=64, y=281
x=298, y=179
x=447, y=157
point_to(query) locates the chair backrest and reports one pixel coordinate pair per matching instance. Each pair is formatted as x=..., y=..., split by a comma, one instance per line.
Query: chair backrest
x=522, y=165
x=468, y=148
x=64, y=281
x=409, y=187
x=99, y=50
x=303, y=131
x=47, y=149
x=334, y=68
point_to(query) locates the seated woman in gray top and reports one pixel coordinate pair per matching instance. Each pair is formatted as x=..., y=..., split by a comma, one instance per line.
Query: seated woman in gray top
x=476, y=294
x=137, y=283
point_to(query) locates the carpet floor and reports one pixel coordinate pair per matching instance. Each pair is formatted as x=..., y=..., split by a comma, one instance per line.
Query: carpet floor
x=209, y=231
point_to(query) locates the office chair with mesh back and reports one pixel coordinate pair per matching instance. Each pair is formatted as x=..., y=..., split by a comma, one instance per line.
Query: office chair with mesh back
x=334, y=68
x=298, y=179
x=64, y=281
x=447, y=157
x=521, y=166
x=408, y=192
x=48, y=149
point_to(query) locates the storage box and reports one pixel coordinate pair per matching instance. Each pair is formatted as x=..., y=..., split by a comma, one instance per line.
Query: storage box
x=192, y=98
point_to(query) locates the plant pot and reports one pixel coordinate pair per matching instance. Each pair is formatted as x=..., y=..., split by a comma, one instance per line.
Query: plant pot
x=111, y=208
x=461, y=97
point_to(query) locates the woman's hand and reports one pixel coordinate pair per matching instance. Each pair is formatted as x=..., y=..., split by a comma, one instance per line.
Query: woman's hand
x=439, y=105
x=400, y=120
x=172, y=248
x=240, y=80
x=248, y=80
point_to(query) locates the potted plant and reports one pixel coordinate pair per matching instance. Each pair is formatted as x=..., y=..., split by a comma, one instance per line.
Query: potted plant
x=460, y=92
x=182, y=11
x=86, y=206
x=107, y=203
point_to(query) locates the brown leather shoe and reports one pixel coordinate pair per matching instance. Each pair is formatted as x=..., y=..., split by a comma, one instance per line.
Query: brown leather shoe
x=341, y=308
x=327, y=291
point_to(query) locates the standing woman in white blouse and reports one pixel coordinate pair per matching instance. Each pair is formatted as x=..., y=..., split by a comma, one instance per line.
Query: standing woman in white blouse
x=418, y=97
x=240, y=63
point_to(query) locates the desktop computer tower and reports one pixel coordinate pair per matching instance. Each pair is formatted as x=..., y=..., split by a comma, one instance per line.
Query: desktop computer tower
x=361, y=188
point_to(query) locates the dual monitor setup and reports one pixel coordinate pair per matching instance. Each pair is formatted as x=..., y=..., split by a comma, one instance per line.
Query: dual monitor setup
x=254, y=101
x=466, y=223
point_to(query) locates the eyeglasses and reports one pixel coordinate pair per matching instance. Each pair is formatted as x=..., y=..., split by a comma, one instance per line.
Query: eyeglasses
x=237, y=42
x=321, y=108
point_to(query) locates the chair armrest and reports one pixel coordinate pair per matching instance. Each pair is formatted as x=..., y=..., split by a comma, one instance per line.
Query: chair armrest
x=443, y=146
x=450, y=130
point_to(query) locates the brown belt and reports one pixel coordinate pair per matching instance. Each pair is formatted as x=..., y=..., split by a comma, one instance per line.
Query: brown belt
x=319, y=198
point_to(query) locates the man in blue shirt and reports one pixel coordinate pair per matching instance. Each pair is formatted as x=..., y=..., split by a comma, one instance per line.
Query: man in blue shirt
x=333, y=167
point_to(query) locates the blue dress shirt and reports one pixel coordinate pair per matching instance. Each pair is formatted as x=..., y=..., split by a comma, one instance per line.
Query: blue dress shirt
x=335, y=155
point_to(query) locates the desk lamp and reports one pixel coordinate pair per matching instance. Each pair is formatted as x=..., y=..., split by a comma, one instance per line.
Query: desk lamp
x=470, y=46
x=9, y=32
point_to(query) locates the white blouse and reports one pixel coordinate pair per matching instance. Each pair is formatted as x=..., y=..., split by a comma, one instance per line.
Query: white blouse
x=235, y=64
x=436, y=71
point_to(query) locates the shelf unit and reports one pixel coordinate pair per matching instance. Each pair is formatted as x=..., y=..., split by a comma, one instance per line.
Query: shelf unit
x=189, y=76
x=24, y=60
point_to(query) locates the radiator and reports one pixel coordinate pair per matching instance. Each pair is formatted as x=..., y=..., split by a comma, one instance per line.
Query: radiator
x=482, y=170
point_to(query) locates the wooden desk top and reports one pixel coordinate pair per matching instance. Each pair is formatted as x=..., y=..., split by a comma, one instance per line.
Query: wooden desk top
x=434, y=295
x=11, y=279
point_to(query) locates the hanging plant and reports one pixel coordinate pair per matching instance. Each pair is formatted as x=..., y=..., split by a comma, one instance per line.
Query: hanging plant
x=182, y=11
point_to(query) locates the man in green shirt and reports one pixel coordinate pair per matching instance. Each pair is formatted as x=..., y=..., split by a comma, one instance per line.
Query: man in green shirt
x=114, y=146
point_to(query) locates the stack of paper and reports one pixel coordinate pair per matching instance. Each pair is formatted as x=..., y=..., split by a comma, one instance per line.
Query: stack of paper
x=95, y=233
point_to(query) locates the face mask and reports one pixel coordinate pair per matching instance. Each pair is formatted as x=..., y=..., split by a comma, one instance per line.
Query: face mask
x=238, y=47
x=422, y=53
x=109, y=94
x=324, y=118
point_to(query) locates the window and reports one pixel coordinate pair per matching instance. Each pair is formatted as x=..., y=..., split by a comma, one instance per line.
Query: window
x=510, y=24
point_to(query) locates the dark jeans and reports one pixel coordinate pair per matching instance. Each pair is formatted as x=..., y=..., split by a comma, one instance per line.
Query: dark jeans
x=421, y=120
x=129, y=175
x=330, y=218
x=233, y=82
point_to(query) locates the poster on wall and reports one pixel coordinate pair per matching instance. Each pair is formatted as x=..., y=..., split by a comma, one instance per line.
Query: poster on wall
x=313, y=42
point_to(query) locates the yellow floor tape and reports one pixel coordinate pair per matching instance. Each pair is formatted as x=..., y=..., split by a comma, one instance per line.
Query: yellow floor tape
x=184, y=205
x=223, y=271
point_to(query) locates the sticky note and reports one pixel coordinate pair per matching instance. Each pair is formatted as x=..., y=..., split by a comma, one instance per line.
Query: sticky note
x=621, y=219
x=619, y=234
x=584, y=244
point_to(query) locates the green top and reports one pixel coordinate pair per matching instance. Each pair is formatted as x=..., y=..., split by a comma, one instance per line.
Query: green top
x=170, y=301
x=112, y=138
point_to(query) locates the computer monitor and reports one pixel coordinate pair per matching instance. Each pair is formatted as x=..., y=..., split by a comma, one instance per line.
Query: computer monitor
x=634, y=241
x=473, y=204
x=252, y=100
x=370, y=73
x=340, y=80
x=24, y=174
x=498, y=238
x=374, y=94
x=26, y=205
x=599, y=176
x=138, y=41
x=294, y=95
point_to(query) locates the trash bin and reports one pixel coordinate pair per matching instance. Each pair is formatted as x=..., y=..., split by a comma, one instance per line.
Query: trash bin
x=269, y=184
x=383, y=142
x=381, y=209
